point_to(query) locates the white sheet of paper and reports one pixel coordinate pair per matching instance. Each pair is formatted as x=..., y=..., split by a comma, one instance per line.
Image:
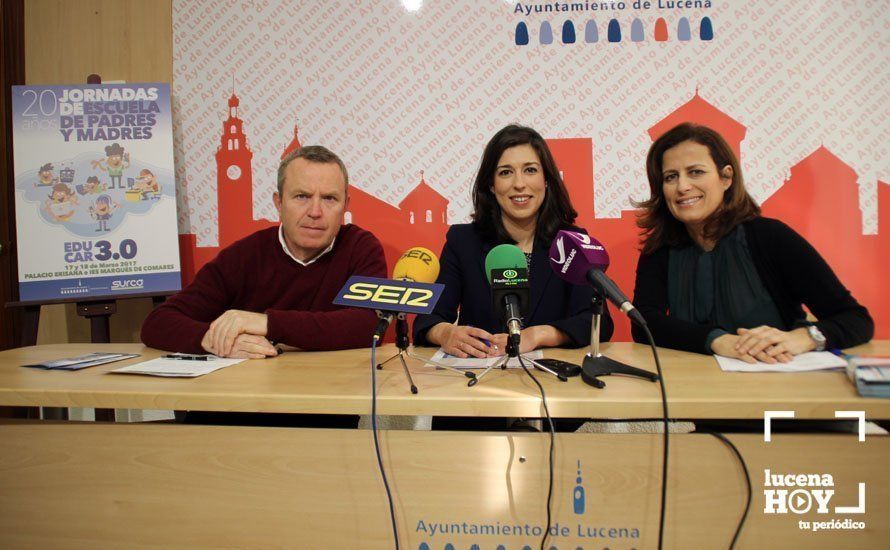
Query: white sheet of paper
x=805, y=362
x=475, y=363
x=178, y=368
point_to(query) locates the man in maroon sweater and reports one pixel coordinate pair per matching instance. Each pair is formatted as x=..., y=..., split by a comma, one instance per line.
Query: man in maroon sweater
x=277, y=285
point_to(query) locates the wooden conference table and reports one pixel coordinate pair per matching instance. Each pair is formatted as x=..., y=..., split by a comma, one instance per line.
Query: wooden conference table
x=117, y=485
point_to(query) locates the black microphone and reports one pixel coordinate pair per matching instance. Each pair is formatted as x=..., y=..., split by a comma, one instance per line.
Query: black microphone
x=614, y=294
x=507, y=272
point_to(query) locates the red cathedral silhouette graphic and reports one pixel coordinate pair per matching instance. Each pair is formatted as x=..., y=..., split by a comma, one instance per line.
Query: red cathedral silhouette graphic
x=820, y=200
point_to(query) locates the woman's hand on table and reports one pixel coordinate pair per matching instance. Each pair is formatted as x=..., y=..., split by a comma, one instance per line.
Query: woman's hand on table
x=463, y=341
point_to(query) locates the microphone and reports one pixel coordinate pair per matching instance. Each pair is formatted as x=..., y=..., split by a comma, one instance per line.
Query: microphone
x=507, y=272
x=580, y=259
x=417, y=264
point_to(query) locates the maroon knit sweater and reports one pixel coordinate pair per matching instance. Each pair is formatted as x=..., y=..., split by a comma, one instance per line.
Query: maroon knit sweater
x=254, y=274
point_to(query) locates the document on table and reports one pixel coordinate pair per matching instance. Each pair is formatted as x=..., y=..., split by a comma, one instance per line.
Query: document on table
x=178, y=368
x=805, y=362
x=83, y=361
x=871, y=375
x=448, y=360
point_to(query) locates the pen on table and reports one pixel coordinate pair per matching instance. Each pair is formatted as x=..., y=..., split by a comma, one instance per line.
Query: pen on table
x=486, y=342
x=187, y=357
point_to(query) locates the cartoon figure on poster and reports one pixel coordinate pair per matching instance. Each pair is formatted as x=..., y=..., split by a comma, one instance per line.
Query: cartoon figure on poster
x=61, y=203
x=147, y=185
x=102, y=210
x=45, y=176
x=115, y=162
x=91, y=187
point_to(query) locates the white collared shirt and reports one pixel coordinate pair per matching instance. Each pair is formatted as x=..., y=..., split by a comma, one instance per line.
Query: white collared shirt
x=294, y=258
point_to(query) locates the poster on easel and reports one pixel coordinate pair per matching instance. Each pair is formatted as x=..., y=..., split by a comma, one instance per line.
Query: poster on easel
x=95, y=199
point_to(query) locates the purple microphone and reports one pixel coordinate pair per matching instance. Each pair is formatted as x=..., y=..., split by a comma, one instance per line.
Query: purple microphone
x=573, y=255
x=580, y=259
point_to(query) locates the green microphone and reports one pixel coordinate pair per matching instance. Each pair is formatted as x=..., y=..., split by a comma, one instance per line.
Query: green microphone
x=507, y=272
x=505, y=256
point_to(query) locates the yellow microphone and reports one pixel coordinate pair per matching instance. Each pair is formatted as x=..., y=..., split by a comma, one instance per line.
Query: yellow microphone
x=417, y=264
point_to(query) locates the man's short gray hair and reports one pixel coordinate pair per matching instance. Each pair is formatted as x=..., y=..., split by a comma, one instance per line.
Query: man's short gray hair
x=312, y=153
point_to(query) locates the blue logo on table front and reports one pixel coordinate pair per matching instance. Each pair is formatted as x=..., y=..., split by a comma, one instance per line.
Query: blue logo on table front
x=578, y=500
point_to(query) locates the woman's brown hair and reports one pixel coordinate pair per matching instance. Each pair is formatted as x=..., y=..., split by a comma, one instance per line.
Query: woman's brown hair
x=659, y=226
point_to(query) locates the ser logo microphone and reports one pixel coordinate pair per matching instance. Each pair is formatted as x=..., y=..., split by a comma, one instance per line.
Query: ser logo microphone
x=389, y=294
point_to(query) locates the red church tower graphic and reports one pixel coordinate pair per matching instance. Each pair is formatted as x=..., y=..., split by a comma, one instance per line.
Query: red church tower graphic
x=699, y=111
x=425, y=215
x=820, y=200
x=421, y=219
x=234, y=181
x=423, y=201
x=234, y=192
x=294, y=143
x=828, y=215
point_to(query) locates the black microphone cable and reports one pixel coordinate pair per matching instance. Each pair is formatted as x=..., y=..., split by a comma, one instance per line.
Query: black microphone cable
x=552, y=449
x=392, y=512
x=738, y=455
x=664, y=410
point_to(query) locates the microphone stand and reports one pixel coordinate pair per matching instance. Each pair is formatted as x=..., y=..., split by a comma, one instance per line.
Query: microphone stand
x=595, y=364
x=403, y=342
x=513, y=351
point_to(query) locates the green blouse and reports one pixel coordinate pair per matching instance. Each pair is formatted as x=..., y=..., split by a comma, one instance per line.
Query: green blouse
x=720, y=287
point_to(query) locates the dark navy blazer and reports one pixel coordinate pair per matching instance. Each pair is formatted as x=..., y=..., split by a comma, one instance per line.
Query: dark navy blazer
x=553, y=301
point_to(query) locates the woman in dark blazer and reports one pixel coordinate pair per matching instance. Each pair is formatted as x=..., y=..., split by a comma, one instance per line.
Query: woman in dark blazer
x=519, y=198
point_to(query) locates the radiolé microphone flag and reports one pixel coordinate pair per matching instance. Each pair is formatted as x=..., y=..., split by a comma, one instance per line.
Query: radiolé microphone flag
x=580, y=259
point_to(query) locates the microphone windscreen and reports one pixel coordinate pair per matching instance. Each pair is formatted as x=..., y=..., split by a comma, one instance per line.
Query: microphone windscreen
x=417, y=264
x=573, y=255
x=504, y=256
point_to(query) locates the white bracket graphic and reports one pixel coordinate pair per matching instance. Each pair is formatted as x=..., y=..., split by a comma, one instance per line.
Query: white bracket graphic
x=854, y=414
x=854, y=509
x=767, y=422
x=769, y=415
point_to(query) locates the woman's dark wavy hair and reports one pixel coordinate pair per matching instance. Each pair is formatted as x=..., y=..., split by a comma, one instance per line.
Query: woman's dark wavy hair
x=556, y=210
x=659, y=226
